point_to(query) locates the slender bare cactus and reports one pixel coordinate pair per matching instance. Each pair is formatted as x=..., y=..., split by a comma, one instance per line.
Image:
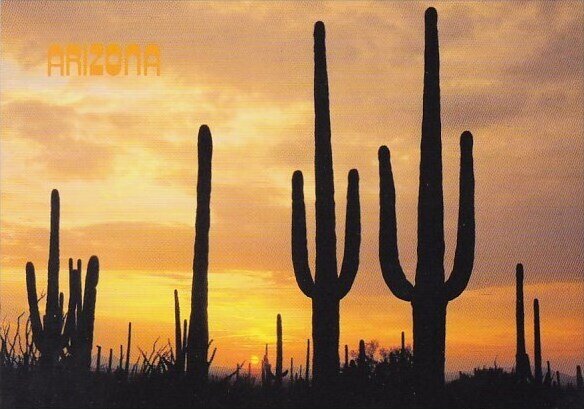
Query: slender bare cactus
x=328, y=286
x=537, y=344
x=522, y=366
x=431, y=293
x=198, y=339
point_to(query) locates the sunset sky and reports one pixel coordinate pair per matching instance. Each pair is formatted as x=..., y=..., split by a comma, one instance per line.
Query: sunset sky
x=122, y=152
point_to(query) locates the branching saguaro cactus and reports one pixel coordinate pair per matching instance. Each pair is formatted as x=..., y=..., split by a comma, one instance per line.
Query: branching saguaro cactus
x=328, y=286
x=198, y=338
x=431, y=293
x=522, y=366
x=49, y=335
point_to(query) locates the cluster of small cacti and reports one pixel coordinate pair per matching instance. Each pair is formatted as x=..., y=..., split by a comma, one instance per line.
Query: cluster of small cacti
x=59, y=335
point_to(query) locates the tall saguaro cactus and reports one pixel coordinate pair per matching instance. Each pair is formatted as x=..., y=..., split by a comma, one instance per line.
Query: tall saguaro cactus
x=522, y=367
x=198, y=338
x=538, y=372
x=49, y=335
x=328, y=286
x=431, y=293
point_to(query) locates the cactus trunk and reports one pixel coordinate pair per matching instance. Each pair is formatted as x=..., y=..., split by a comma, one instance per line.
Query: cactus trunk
x=538, y=372
x=198, y=339
x=522, y=366
x=279, y=352
x=328, y=286
x=431, y=293
x=129, y=346
x=579, y=380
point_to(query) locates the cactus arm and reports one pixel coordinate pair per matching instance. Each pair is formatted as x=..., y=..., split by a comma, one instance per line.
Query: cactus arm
x=465, y=242
x=352, y=236
x=391, y=269
x=74, y=301
x=33, y=304
x=299, y=243
x=89, y=299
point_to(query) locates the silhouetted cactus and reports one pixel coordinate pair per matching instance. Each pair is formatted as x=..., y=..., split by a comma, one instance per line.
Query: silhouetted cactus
x=362, y=356
x=110, y=360
x=579, y=380
x=49, y=336
x=279, y=353
x=537, y=344
x=431, y=294
x=328, y=286
x=547, y=380
x=558, y=383
x=522, y=366
x=198, y=339
x=128, y=349
x=346, y=364
x=179, y=363
x=307, y=361
x=98, y=360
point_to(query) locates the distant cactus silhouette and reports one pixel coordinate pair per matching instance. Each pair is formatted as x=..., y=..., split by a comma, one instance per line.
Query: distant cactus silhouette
x=547, y=380
x=179, y=363
x=328, y=286
x=49, y=336
x=431, y=294
x=362, y=356
x=522, y=366
x=128, y=349
x=279, y=353
x=110, y=360
x=98, y=360
x=198, y=338
x=579, y=380
x=537, y=344
x=307, y=361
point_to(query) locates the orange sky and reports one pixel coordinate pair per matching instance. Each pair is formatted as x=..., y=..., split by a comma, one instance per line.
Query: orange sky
x=122, y=152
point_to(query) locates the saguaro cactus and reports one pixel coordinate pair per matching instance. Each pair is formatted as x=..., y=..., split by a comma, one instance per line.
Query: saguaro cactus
x=430, y=294
x=179, y=360
x=279, y=352
x=522, y=367
x=198, y=339
x=579, y=380
x=538, y=372
x=77, y=336
x=328, y=286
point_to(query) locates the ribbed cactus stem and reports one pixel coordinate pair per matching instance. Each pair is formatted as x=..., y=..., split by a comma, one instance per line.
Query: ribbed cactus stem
x=522, y=366
x=128, y=348
x=362, y=357
x=52, y=317
x=110, y=360
x=538, y=372
x=328, y=286
x=431, y=294
x=279, y=350
x=87, y=320
x=198, y=339
x=98, y=361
